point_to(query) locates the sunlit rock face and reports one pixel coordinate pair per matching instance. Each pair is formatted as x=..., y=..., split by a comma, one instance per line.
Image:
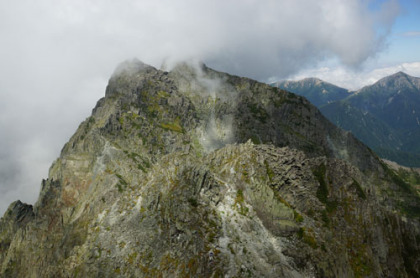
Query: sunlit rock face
x=197, y=173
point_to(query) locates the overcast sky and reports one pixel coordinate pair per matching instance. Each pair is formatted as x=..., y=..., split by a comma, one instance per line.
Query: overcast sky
x=56, y=57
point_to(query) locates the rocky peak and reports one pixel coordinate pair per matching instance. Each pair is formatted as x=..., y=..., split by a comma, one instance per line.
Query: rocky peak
x=313, y=81
x=399, y=81
x=19, y=213
x=130, y=67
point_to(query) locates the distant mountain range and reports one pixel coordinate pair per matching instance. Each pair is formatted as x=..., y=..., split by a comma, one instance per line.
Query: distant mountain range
x=315, y=90
x=385, y=115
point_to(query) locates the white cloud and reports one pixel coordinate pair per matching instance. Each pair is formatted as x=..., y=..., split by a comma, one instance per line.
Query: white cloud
x=56, y=56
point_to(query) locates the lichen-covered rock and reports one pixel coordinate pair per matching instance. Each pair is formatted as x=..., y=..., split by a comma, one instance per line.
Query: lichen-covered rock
x=196, y=173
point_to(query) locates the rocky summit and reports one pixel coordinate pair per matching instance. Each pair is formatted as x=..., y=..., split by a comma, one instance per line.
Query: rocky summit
x=198, y=173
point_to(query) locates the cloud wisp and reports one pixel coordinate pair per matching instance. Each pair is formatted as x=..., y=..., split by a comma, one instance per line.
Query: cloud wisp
x=57, y=56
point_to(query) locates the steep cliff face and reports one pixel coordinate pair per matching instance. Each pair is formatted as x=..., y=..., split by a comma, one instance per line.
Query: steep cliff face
x=197, y=173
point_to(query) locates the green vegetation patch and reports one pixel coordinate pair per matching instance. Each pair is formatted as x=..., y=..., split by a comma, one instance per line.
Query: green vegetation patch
x=325, y=218
x=281, y=199
x=122, y=183
x=255, y=139
x=193, y=202
x=270, y=172
x=397, y=179
x=411, y=210
x=322, y=192
x=410, y=176
x=359, y=260
x=174, y=126
x=359, y=189
x=298, y=217
x=258, y=112
x=239, y=203
x=142, y=163
x=306, y=235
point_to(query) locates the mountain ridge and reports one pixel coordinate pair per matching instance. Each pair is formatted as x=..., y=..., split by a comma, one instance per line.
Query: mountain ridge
x=382, y=115
x=317, y=91
x=197, y=173
x=393, y=101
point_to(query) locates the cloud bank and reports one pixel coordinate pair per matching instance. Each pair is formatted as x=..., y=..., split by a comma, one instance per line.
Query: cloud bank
x=57, y=56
